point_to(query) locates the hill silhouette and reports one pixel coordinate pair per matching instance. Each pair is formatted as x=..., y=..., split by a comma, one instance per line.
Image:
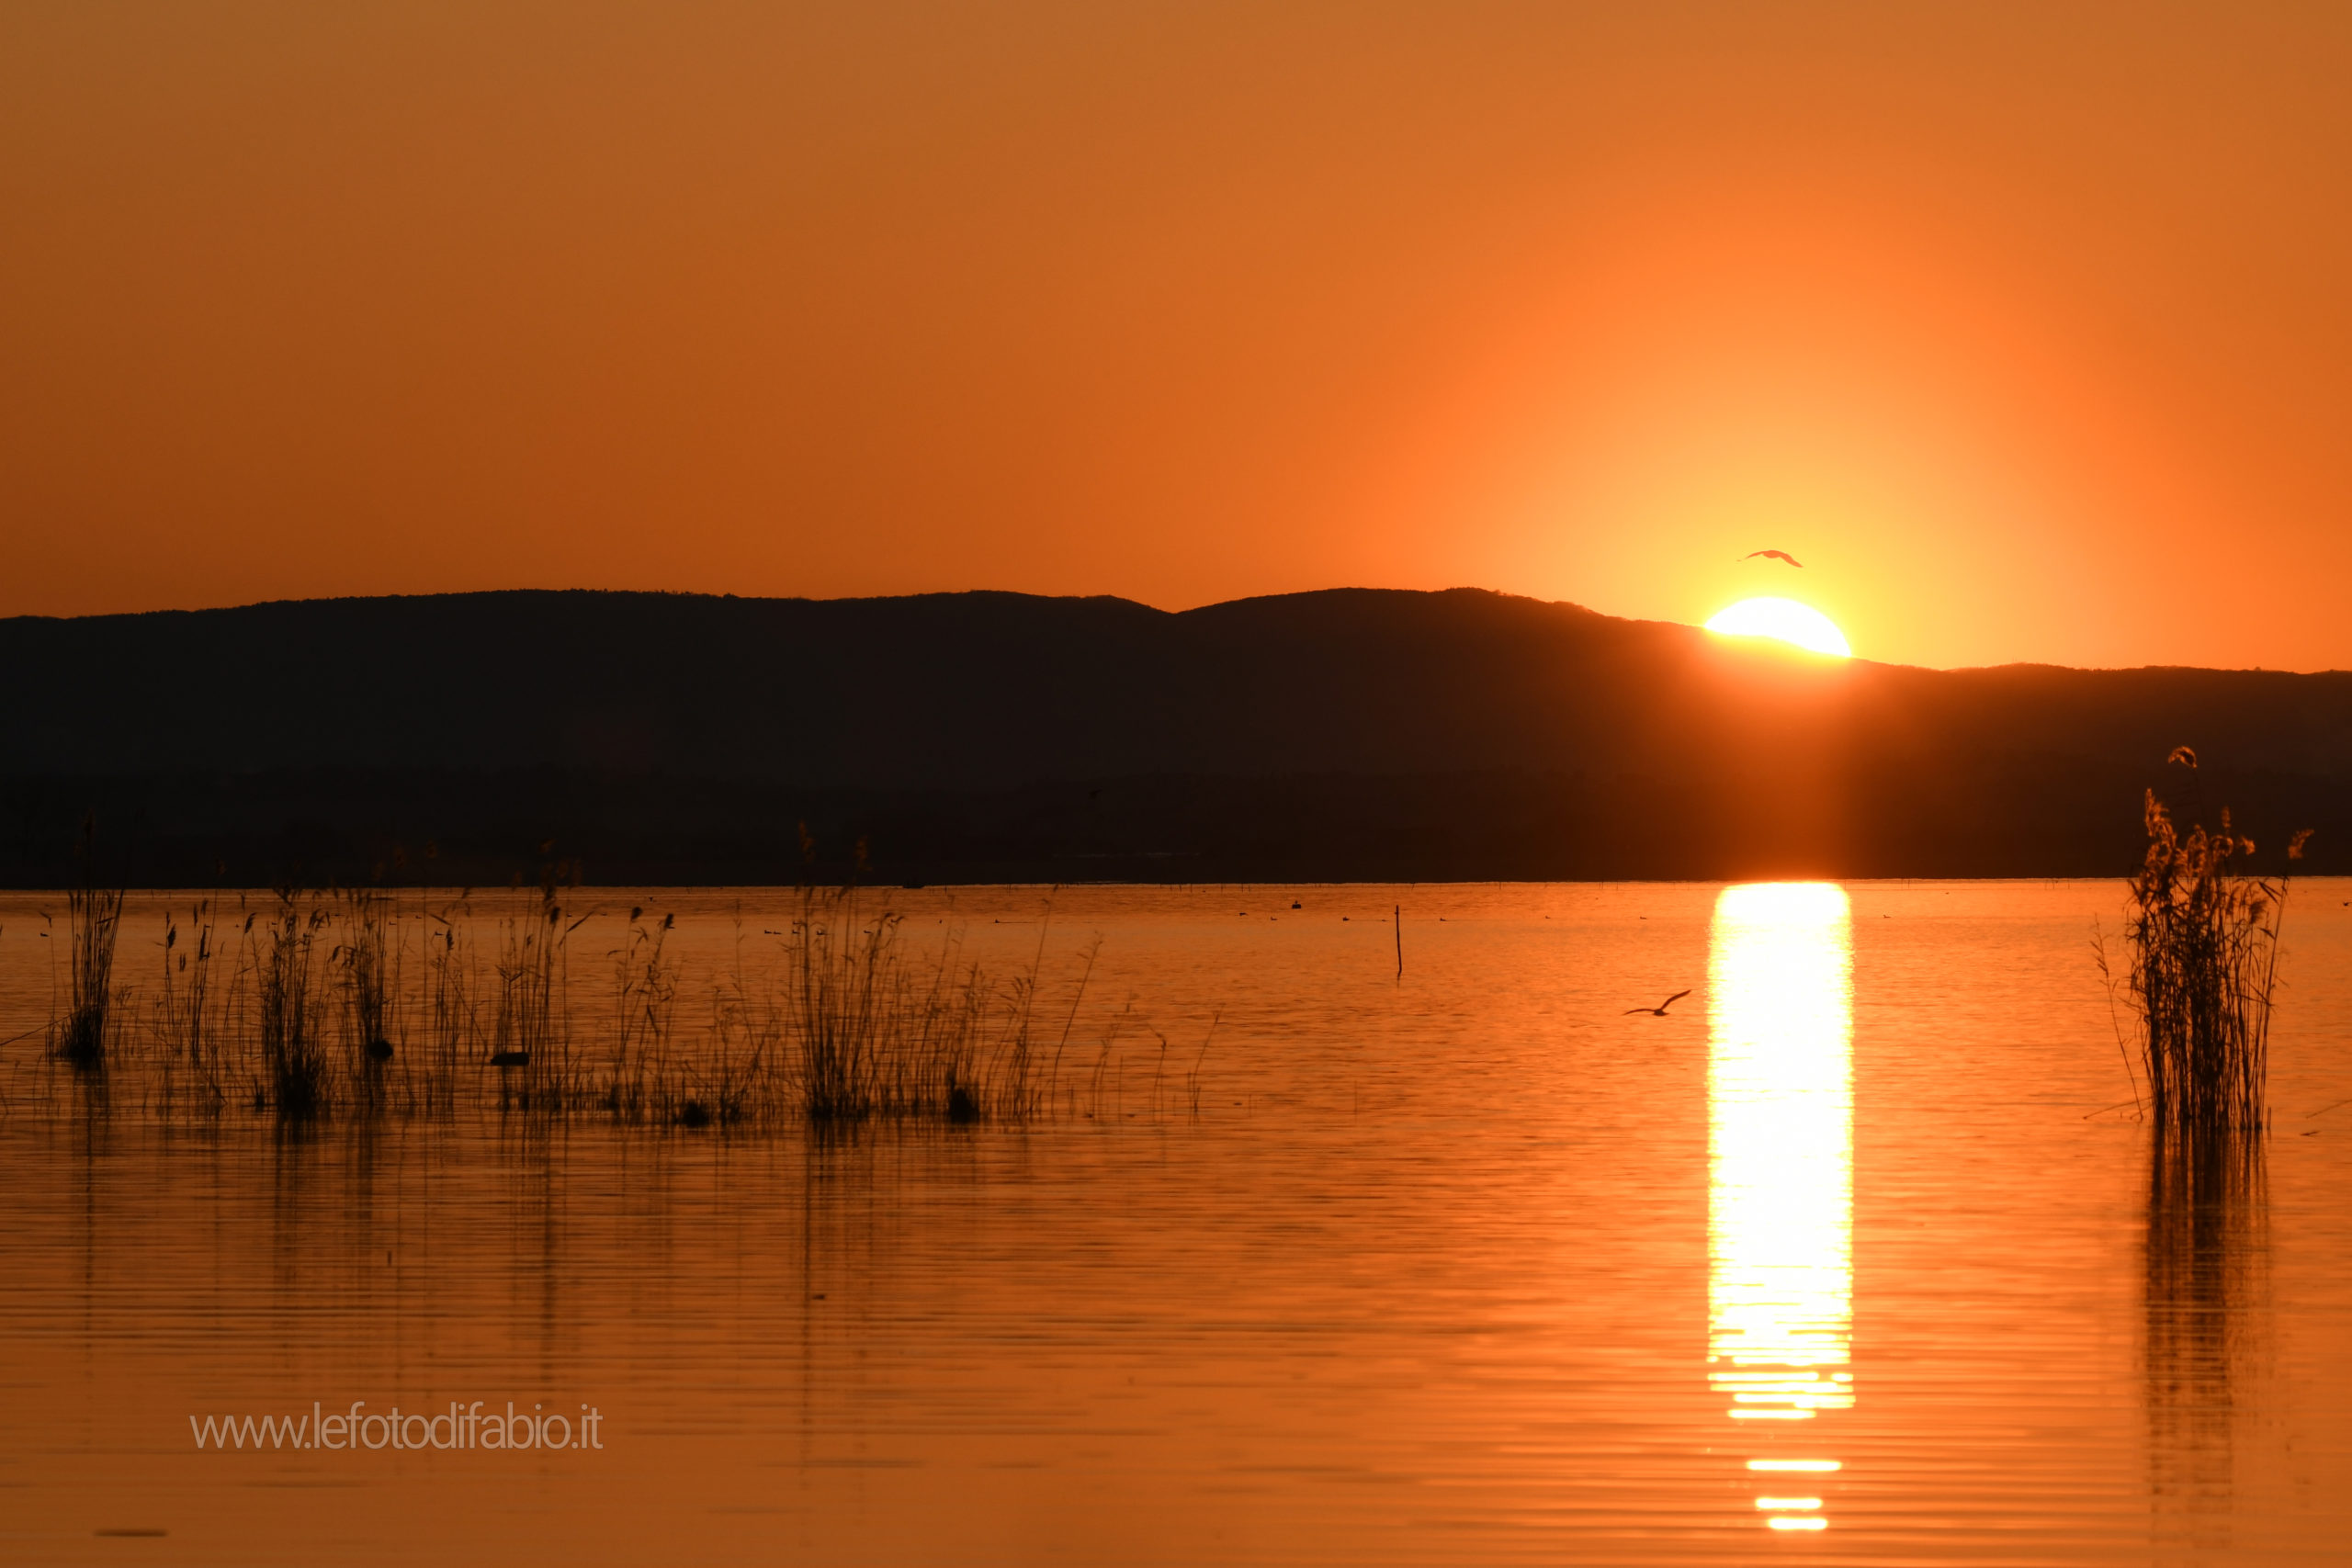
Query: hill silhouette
x=1337, y=735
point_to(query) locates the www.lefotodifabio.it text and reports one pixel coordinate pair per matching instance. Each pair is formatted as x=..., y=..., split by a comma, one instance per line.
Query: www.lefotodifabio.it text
x=465, y=1427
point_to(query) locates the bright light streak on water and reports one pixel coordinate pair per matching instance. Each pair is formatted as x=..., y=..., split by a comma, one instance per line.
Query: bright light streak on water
x=1780, y=1228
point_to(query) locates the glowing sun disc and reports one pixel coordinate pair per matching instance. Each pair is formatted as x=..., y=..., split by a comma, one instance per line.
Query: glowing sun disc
x=1785, y=620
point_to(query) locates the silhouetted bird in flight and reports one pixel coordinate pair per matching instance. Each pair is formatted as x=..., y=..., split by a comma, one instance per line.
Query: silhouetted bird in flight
x=1773, y=555
x=1659, y=1010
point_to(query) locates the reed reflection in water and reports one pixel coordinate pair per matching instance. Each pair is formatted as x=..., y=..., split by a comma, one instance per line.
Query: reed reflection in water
x=2207, y=1289
x=1780, y=1224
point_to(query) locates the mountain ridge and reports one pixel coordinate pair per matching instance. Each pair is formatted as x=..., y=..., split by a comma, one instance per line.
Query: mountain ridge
x=936, y=706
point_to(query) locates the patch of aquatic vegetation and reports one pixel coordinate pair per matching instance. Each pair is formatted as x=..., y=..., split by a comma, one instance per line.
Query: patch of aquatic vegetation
x=2202, y=940
x=323, y=1007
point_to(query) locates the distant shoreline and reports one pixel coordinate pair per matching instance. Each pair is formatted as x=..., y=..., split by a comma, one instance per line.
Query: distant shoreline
x=983, y=738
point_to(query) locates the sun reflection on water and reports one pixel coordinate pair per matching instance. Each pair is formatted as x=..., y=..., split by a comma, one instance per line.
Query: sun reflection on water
x=1780, y=1223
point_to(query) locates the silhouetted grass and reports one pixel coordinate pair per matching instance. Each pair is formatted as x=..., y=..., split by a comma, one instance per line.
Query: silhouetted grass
x=298, y=1078
x=94, y=921
x=376, y=1003
x=366, y=959
x=188, y=1034
x=2203, y=941
x=449, y=1037
x=645, y=996
x=866, y=1029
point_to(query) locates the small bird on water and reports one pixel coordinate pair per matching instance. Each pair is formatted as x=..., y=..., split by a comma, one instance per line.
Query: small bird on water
x=1659, y=1010
x=1773, y=555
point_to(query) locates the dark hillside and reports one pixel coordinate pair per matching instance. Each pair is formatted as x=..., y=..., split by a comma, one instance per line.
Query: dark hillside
x=1353, y=733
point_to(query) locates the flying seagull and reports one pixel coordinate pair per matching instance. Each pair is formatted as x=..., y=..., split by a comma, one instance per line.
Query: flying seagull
x=1659, y=1010
x=1773, y=555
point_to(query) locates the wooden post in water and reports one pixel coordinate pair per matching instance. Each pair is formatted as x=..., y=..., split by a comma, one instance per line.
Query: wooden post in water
x=1397, y=920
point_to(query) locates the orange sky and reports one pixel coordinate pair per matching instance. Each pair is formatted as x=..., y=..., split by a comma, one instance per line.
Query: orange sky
x=2028, y=328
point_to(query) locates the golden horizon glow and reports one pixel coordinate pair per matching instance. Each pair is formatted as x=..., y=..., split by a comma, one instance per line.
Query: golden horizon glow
x=1779, y=1220
x=307, y=301
x=1784, y=620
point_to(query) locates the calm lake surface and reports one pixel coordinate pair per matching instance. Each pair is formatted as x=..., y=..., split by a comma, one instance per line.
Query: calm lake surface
x=1850, y=1258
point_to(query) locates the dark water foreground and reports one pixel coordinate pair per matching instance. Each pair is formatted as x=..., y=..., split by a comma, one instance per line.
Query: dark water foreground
x=1849, y=1258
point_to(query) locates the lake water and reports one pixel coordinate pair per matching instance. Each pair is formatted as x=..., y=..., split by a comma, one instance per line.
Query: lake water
x=1851, y=1256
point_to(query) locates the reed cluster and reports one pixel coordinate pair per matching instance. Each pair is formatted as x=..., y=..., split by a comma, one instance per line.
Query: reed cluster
x=362, y=1004
x=875, y=1033
x=94, y=917
x=295, y=1067
x=2203, y=943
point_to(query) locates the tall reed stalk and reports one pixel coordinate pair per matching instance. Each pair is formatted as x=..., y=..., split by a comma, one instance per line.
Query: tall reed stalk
x=531, y=1031
x=451, y=1035
x=186, y=1028
x=645, y=992
x=367, y=955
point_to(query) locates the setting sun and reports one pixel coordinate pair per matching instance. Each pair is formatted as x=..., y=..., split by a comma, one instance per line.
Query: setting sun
x=1785, y=620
